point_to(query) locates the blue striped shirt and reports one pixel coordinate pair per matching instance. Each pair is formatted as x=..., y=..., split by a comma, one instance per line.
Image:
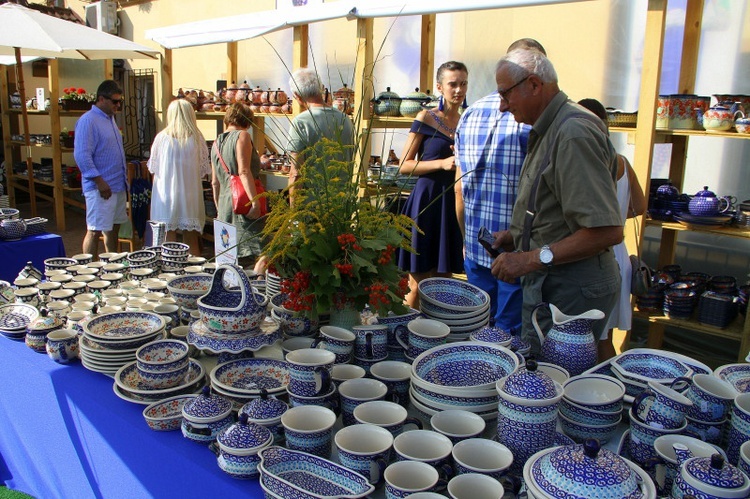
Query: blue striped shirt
x=490, y=149
x=99, y=151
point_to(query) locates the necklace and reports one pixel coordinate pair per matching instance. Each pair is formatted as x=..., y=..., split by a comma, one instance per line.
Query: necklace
x=442, y=123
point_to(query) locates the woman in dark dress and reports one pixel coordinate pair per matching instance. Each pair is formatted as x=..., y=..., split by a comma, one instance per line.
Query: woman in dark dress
x=428, y=153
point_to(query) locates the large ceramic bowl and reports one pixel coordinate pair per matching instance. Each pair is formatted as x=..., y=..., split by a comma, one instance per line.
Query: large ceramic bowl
x=162, y=356
x=645, y=367
x=463, y=368
x=595, y=391
x=250, y=377
x=119, y=327
x=452, y=294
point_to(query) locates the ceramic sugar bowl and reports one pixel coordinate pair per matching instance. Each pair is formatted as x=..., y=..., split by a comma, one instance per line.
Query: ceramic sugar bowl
x=239, y=445
x=266, y=411
x=39, y=328
x=708, y=477
x=585, y=470
x=204, y=417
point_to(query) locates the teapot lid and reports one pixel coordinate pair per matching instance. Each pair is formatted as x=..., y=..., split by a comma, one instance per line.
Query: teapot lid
x=45, y=321
x=713, y=471
x=206, y=407
x=264, y=408
x=388, y=95
x=587, y=468
x=416, y=95
x=529, y=383
x=705, y=193
x=244, y=436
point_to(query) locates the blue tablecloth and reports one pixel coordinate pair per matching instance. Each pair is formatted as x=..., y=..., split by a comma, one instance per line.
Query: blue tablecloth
x=64, y=433
x=15, y=254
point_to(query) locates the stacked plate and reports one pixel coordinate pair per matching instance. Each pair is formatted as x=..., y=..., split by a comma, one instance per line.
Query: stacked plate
x=717, y=309
x=636, y=368
x=109, y=341
x=463, y=307
x=131, y=387
x=242, y=380
x=14, y=317
x=460, y=376
x=273, y=284
x=679, y=302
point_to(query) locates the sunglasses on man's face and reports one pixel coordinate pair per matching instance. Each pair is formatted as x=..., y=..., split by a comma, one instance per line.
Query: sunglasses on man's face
x=116, y=102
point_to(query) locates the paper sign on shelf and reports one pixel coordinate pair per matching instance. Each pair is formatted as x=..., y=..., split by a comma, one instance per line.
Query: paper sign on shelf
x=225, y=242
x=40, y=98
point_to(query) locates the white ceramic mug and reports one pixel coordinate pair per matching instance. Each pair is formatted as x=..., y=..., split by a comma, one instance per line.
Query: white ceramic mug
x=397, y=377
x=404, y=478
x=481, y=455
x=388, y=415
x=338, y=340
x=62, y=345
x=343, y=372
x=457, y=424
x=354, y=392
x=475, y=486
x=711, y=397
x=371, y=342
x=425, y=446
x=366, y=449
x=310, y=371
x=423, y=335
x=308, y=429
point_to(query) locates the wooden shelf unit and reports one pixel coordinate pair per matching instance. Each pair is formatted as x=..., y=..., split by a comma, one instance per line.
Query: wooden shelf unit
x=646, y=135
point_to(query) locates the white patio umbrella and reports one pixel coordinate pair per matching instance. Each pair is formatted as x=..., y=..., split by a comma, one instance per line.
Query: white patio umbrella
x=33, y=34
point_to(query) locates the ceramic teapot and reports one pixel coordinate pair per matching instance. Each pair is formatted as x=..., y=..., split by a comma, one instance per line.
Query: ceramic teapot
x=570, y=343
x=667, y=192
x=343, y=99
x=706, y=204
x=742, y=123
x=719, y=118
x=708, y=477
x=387, y=103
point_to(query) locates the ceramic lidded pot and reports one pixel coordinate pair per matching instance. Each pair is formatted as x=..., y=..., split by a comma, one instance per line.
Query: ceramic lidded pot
x=412, y=102
x=387, y=103
x=709, y=477
x=527, y=412
x=706, y=204
x=266, y=411
x=585, y=470
x=718, y=118
x=39, y=328
x=204, y=417
x=343, y=99
x=239, y=445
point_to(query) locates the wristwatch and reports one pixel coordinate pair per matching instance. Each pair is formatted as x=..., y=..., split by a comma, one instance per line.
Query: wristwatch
x=545, y=256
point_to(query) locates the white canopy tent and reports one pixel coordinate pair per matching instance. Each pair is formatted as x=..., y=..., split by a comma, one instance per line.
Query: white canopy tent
x=246, y=26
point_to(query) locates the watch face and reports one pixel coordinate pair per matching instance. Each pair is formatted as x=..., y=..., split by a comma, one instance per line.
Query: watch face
x=545, y=256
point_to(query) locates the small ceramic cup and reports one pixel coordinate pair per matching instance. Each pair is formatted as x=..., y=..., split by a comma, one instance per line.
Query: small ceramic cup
x=426, y=446
x=83, y=258
x=74, y=317
x=338, y=340
x=744, y=463
x=86, y=297
x=474, y=486
x=26, y=282
x=328, y=400
x=354, y=392
x=423, y=335
x=457, y=424
x=169, y=310
x=371, y=342
x=45, y=288
x=59, y=308
x=308, y=429
x=404, y=478
x=29, y=296
x=62, y=345
x=310, y=371
x=661, y=406
x=711, y=397
x=483, y=456
x=388, y=415
x=181, y=333
x=77, y=287
x=288, y=345
x=366, y=449
x=397, y=377
x=739, y=429
x=343, y=372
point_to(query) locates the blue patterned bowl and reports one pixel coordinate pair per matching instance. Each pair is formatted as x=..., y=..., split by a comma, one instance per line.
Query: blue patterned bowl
x=166, y=415
x=232, y=310
x=581, y=431
x=188, y=288
x=452, y=294
x=492, y=334
x=162, y=356
x=595, y=391
x=440, y=401
x=585, y=415
x=647, y=366
x=297, y=475
x=463, y=368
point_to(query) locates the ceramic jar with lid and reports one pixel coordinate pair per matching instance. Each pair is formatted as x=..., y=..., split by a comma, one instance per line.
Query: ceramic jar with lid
x=527, y=412
x=343, y=99
x=709, y=477
x=412, y=103
x=204, y=417
x=585, y=470
x=387, y=103
x=239, y=445
x=39, y=328
x=266, y=411
x=718, y=118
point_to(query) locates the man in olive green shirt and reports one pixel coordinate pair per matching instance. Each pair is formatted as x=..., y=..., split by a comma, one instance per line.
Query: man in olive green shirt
x=565, y=258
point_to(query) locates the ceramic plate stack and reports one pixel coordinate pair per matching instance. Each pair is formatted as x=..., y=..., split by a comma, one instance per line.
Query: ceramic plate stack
x=463, y=307
x=636, y=368
x=717, y=309
x=242, y=380
x=174, y=257
x=130, y=387
x=460, y=376
x=273, y=284
x=14, y=317
x=109, y=341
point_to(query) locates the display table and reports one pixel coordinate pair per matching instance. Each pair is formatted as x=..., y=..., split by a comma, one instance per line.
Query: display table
x=66, y=434
x=15, y=254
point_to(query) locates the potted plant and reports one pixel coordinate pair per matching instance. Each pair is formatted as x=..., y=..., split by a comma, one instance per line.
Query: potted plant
x=76, y=99
x=333, y=248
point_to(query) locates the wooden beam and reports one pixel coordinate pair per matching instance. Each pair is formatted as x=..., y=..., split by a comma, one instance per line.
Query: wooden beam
x=232, y=63
x=427, y=53
x=166, y=82
x=55, y=128
x=299, y=57
x=690, y=45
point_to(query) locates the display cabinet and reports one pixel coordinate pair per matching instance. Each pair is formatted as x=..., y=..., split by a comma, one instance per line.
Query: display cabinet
x=647, y=135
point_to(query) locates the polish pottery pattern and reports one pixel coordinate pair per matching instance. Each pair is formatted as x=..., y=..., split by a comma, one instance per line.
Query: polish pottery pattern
x=188, y=288
x=266, y=411
x=251, y=376
x=231, y=310
x=739, y=431
x=239, y=445
x=709, y=477
x=166, y=415
x=205, y=417
x=298, y=475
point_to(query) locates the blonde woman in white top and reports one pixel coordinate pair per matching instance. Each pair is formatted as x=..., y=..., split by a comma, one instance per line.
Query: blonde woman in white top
x=179, y=160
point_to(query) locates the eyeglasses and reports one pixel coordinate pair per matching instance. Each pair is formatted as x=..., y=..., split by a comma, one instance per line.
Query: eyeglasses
x=119, y=101
x=504, y=93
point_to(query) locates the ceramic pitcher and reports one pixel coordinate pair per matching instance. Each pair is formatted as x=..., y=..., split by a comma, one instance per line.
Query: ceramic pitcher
x=570, y=343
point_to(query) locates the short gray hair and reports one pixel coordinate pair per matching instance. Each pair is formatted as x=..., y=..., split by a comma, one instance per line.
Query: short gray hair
x=525, y=62
x=306, y=83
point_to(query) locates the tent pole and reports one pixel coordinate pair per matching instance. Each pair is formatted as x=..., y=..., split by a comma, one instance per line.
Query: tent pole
x=27, y=140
